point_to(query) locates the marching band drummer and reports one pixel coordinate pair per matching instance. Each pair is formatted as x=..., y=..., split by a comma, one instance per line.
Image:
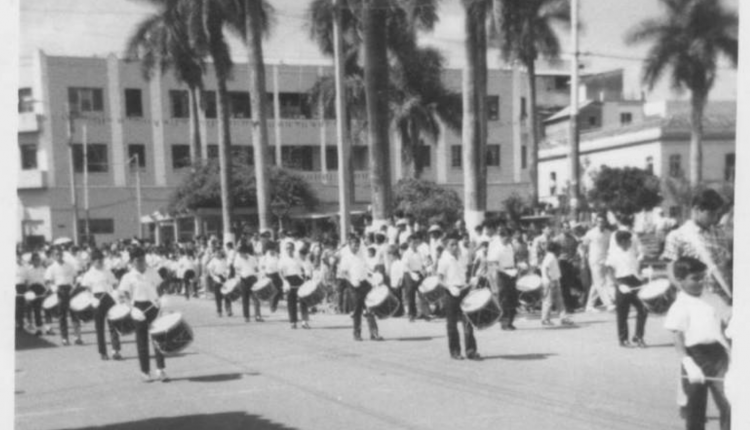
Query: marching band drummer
x=218, y=272
x=35, y=281
x=415, y=266
x=354, y=269
x=60, y=276
x=292, y=269
x=140, y=286
x=452, y=275
x=21, y=288
x=187, y=272
x=246, y=266
x=500, y=262
x=269, y=266
x=101, y=281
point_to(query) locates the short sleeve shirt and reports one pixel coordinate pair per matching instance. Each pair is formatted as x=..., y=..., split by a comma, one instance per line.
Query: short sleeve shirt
x=697, y=318
x=689, y=239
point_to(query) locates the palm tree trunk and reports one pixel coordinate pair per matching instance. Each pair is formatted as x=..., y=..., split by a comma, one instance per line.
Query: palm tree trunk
x=408, y=160
x=376, y=88
x=414, y=145
x=534, y=149
x=698, y=104
x=195, y=127
x=473, y=159
x=254, y=44
x=225, y=145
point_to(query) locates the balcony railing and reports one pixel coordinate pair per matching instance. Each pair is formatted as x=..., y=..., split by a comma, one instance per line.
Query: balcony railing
x=331, y=177
x=32, y=179
x=28, y=122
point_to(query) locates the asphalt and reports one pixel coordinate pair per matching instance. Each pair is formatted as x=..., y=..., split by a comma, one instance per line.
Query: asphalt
x=264, y=376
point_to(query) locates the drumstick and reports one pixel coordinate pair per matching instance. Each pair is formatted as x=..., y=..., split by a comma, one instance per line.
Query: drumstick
x=709, y=378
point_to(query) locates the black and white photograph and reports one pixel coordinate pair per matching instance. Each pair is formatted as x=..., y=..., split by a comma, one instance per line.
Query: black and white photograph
x=376, y=214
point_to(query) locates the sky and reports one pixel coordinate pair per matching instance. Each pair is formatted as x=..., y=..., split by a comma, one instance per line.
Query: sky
x=100, y=27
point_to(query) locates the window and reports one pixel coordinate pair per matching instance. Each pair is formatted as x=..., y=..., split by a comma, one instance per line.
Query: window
x=209, y=104
x=493, y=108
x=650, y=165
x=524, y=113
x=524, y=160
x=592, y=120
x=97, y=226
x=626, y=118
x=424, y=156
x=85, y=99
x=332, y=158
x=213, y=151
x=294, y=106
x=675, y=168
x=25, y=101
x=729, y=167
x=180, y=156
x=137, y=154
x=456, y=156
x=239, y=104
x=553, y=183
x=561, y=83
x=97, y=158
x=28, y=157
x=297, y=157
x=243, y=153
x=493, y=155
x=360, y=158
x=180, y=103
x=133, y=104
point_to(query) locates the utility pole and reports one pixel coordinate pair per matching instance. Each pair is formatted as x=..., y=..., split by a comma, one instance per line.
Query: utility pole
x=73, y=194
x=87, y=228
x=342, y=131
x=574, y=191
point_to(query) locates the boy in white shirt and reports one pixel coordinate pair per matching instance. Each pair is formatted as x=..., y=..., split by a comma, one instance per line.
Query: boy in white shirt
x=624, y=263
x=453, y=276
x=700, y=344
x=552, y=295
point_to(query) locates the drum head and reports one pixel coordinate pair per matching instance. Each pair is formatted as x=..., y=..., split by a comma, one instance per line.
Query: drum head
x=529, y=283
x=118, y=312
x=511, y=272
x=654, y=289
x=376, y=279
x=376, y=297
x=429, y=283
x=50, y=302
x=29, y=296
x=137, y=314
x=81, y=301
x=166, y=323
x=476, y=300
x=230, y=285
x=261, y=284
x=307, y=288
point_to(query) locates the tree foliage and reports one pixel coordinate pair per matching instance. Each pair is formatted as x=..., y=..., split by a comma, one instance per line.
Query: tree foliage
x=201, y=188
x=625, y=190
x=427, y=201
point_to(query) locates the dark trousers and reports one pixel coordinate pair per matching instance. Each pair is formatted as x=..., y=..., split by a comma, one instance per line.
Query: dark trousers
x=247, y=293
x=100, y=316
x=569, y=281
x=343, y=296
x=714, y=362
x=188, y=281
x=142, y=337
x=360, y=293
x=410, y=288
x=219, y=297
x=34, y=308
x=623, y=303
x=291, y=299
x=279, y=284
x=20, y=304
x=453, y=316
x=64, y=295
x=507, y=295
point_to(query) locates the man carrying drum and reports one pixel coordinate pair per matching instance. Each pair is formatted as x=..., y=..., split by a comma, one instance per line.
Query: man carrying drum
x=354, y=269
x=35, y=281
x=139, y=286
x=452, y=275
x=246, y=266
x=501, y=268
x=415, y=267
x=60, y=276
x=292, y=269
x=101, y=281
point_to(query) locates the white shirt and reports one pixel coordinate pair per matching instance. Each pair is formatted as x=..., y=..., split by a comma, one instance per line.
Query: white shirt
x=452, y=273
x=269, y=264
x=354, y=268
x=393, y=235
x=697, y=318
x=413, y=261
x=624, y=262
x=21, y=270
x=184, y=264
x=550, y=268
x=218, y=267
x=141, y=286
x=500, y=253
x=290, y=266
x=246, y=266
x=99, y=280
x=397, y=273
x=596, y=242
x=60, y=274
x=35, y=275
x=72, y=260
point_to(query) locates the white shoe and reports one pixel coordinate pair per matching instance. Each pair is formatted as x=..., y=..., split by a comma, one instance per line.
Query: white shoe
x=145, y=377
x=162, y=375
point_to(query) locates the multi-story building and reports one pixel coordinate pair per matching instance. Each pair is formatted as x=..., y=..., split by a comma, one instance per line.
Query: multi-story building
x=126, y=116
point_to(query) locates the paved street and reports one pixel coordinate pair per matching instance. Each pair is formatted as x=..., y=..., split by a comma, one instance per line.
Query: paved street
x=267, y=376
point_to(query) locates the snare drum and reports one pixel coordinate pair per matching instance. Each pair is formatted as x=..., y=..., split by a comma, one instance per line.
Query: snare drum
x=657, y=296
x=311, y=293
x=231, y=289
x=432, y=290
x=381, y=302
x=530, y=282
x=29, y=296
x=51, y=304
x=264, y=289
x=171, y=333
x=481, y=308
x=120, y=318
x=82, y=306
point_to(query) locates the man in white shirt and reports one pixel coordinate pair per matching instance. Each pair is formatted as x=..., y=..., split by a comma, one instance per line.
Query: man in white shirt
x=354, y=270
x=453, y=276
x=60, y=276
x=625, y=267
x=501, y=266
x=218, y=269
x=100, y=282
x=34, y=277
x=246, y=266
x=140, y=285
x=415, y=268
x=292, y=270
x=595, y=247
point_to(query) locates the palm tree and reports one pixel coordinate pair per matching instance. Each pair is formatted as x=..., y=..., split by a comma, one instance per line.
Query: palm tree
x=524, y=29
x=688, y=40
x=160, y=42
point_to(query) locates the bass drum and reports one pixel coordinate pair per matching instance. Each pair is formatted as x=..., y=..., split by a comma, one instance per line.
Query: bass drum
x=481, y=308
x=311, y=293
x=432, y=290
x=657, y=296
x=264, y=289
x=381, y=302
x=171, y=333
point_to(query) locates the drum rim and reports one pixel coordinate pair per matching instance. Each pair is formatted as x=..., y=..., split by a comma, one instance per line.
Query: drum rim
x=377, y=291
x=662, y=284
x=487, y=293
x=128, y=310
x=177, y=316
